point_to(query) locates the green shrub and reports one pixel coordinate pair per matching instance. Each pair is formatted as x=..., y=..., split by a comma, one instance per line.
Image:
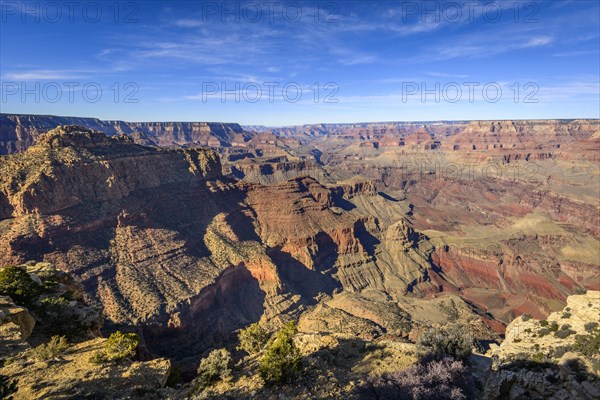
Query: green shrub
x=526, y=317
x=517, y=340
x=252, y=339
x=566, y=315
x=51, y=350
x=16, y=283
x=213, y=368
x=281, y=362
x=7, y=387
x=543, y=331
x=120, y=345
x=527, y=330
x=98, y=357
x=117, y=347
x=453, y=341
x=7, y=361
x=564, y=332
x=543, y=323
x=588, y=345
x=590, y=326
x=538, y=357
x=553, y=326
x=451, y=310
x=58, y=317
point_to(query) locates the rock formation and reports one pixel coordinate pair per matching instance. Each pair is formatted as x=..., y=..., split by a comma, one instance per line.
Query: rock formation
x=546, y=359
x=361, y=231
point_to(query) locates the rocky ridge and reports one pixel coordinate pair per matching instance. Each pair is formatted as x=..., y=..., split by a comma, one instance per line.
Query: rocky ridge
x=544, y=359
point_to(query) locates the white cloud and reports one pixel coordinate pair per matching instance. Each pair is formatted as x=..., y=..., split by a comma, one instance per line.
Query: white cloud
x=189, y=23
x=40, y=75
x=539, y=41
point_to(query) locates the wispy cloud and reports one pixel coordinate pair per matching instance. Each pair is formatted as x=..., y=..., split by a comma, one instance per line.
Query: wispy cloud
x=37, y=75
x=575, y=53
x=538, y=41
x=189, y=23
x=446, y=75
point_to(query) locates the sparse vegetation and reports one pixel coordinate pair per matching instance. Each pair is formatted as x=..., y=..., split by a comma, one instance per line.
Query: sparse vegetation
x=8, y=387
x=561, y=350
x=566, y=315
x=454, y=341
x=543, y=323
x=432, y=380
x=98, y=358
x=526, y=317
x=281, y=362
x=58, y=318
x=7, y=361
x=118, y=346
x=543, y=332
x=590, y=326
x=51, y=350
x=451, y=310
x=252, y=339
x=538, y=357
x=213, y=368
x=16, y=283
x=564, y=332
x=580, y=290
x=588, y=345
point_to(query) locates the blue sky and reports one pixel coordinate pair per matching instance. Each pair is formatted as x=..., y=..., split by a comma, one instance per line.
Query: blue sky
x=367, y=61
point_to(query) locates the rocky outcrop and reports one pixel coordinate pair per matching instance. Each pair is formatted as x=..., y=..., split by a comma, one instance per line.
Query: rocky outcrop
x=71, y=166
x=73, y=376
x=268, y=173
x=10, y=313
x=543, y=359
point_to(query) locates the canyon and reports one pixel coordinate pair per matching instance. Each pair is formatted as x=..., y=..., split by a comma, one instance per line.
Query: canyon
x=187, y=232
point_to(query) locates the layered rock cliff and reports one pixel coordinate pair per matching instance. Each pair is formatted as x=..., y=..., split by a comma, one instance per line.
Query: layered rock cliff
x=162, y=241
x=166, y=243
x=19, y=131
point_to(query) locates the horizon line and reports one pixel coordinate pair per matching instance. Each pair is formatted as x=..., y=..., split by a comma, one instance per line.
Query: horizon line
x=311, y=124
